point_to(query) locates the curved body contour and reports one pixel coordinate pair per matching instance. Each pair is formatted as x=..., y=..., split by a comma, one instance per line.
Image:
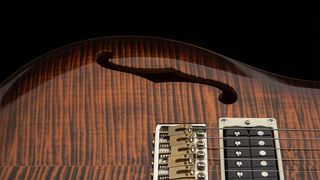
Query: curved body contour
x=66, y=116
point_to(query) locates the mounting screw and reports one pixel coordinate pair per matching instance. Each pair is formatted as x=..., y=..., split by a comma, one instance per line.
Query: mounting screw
x=200, y=144
x=247, y=122
x=271, y=121
x=224, y=121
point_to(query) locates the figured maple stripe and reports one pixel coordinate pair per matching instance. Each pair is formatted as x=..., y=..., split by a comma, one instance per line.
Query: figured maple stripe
x=74, y=172
x=65, y=116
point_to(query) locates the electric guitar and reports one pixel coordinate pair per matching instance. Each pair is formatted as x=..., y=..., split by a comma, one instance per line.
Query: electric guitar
x=151, y=108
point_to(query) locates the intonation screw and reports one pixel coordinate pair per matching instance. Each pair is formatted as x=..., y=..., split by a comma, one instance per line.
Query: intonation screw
x=201, y=176
x=200, y=133
x=200, y=144
x=201, y=154
x=247, y=122
x=270, y=121
x=223, y=120
x=201, y=165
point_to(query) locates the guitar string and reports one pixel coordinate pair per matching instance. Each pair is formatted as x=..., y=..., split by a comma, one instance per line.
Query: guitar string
x=257, y=138
x=277, y=129
x=260, y=159
x=254, y=170
x=262, y=148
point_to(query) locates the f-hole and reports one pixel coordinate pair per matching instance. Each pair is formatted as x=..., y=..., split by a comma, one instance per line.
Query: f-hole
x=228, y=95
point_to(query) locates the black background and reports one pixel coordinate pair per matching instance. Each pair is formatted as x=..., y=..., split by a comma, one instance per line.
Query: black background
x=278, y=36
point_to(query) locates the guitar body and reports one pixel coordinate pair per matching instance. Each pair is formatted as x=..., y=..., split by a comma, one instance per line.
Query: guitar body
x=88, y=110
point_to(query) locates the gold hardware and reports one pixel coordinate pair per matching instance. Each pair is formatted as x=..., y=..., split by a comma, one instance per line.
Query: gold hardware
x=181, y=160
x=181, y=129
x=187, y=148
x=181, y=138
x=180, y=152
x=182, y=172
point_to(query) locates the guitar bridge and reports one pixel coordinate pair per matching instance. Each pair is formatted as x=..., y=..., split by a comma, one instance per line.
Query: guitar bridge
x=180, y=152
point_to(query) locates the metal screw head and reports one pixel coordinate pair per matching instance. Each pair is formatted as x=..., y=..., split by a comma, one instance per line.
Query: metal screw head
x=237, y=143
x=201, y=165
x=201, y=176
x=223, y=120
x=201, y=154
x=200, y=133
x=239, y=163
x=260, y=133
x=261, y=143
x=270, y=121
x=247, y=122
x=264, y=174
x=239, y=174
x=237, y=133
x=263, y=163
x=200, y=144
x=238, y=153
x=262, y=153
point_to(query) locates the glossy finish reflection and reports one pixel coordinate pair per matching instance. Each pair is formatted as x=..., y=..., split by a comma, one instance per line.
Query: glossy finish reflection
x=65, y=115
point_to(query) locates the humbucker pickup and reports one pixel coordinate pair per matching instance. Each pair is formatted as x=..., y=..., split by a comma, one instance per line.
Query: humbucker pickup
x=249, y=149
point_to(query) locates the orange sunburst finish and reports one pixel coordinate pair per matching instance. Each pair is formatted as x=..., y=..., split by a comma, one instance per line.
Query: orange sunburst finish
x=66, y=116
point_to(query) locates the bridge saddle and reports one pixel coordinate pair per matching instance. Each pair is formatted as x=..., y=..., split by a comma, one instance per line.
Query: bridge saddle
x=180, y=152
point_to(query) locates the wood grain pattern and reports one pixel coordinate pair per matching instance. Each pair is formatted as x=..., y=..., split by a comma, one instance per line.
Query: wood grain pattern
x=65, y=116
